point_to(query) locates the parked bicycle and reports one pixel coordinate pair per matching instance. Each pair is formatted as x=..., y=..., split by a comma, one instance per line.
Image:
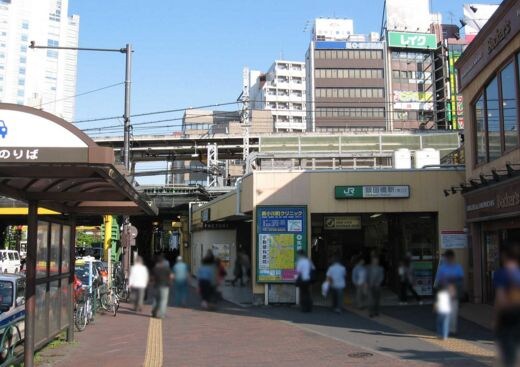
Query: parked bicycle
x=83, y=309
x=109, y=299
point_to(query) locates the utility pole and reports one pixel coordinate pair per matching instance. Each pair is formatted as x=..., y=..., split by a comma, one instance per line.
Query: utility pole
x=125, y=239
x=128, y=71
x=245, y=117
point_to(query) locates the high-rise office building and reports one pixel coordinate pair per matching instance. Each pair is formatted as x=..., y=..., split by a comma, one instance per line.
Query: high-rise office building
x=40, y=78
x=282, y=91
x=345, y=79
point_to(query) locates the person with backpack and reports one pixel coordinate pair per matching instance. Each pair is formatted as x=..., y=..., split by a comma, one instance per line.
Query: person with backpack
x=507, y=304
x=304, y=276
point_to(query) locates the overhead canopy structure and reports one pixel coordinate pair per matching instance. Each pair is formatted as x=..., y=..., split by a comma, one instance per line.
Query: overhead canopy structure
x=46, y=161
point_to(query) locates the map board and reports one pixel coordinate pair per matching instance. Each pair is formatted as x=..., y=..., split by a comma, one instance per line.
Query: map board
x=280, y=232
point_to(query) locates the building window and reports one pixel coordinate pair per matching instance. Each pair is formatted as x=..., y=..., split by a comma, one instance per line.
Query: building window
x=25, y=24
x=496, y=115
x=509, y=106
x=351, y=112
x=20, y=93
x=480, y=124
x=493, y=120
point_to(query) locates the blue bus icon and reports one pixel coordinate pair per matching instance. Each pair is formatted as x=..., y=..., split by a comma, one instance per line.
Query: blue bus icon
x=3, y=129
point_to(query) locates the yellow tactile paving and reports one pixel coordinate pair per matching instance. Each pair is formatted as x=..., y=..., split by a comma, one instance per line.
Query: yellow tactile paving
x=154, y=345
x=452, y=344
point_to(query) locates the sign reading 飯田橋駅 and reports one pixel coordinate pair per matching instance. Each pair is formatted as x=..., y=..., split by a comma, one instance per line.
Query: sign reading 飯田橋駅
x=281, y=231
x=372, y=192
x=421, y=41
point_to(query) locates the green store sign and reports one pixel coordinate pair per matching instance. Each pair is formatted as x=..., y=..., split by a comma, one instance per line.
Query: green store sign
x=419, y=41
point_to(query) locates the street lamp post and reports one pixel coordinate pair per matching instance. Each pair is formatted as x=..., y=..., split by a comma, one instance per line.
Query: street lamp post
x=128, y=71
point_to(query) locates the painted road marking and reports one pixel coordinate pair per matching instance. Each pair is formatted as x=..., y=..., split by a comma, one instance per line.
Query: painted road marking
x=154, y=345
x=452, y=344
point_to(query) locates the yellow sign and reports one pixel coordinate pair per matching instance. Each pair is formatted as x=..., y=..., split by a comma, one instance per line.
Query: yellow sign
x=342, y=222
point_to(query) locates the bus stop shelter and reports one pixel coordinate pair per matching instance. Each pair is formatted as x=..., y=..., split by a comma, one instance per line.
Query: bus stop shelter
x=47, y=162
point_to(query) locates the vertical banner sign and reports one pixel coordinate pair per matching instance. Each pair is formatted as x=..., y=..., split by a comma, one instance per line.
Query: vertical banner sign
x=456, y=111
x=280, y=232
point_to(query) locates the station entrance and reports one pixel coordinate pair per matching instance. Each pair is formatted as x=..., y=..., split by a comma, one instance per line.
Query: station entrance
x=391, y=236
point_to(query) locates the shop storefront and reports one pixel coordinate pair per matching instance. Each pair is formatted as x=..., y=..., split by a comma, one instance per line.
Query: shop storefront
x=345, y=214
x=493, y=214
x=489, y=79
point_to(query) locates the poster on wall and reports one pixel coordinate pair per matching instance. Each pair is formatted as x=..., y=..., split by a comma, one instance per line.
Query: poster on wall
x=422, y=277
x=223, y=252
x=280, y=232
x=453, y=240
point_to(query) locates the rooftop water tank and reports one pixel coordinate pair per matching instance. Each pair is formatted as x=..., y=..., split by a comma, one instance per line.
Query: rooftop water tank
x=427, y=157
x=402, y=159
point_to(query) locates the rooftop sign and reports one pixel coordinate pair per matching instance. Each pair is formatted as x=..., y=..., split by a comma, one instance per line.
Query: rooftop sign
x=420, y=41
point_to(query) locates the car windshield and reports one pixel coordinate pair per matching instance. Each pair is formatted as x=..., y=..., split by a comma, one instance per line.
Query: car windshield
x=82, y=273
x=6, y=295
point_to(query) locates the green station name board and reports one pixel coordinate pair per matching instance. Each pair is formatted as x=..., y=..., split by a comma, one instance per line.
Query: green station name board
x=421, y=41
x=372, y=192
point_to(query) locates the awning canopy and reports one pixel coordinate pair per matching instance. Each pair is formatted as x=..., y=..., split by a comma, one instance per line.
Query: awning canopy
x=46, y=159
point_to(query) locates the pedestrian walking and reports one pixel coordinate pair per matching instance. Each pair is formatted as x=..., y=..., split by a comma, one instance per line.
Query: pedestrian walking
x=246, y=266
x=336, y=276
x=375, y=278
x=180, y=284
x=359, y=278
x=238, y=272
x=138, y=281
x=443, y=309
x=207, y=280
x=304, y=268
x=451, y=274
x=221, y=274
x=162, y=278
x=406, y=280
x=507, y=304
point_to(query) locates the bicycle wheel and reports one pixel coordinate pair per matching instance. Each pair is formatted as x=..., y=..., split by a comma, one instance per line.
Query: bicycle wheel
x=80, y=317
x=106, y=302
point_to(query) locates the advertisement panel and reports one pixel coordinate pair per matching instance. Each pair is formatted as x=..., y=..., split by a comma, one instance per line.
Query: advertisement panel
x=406, y=14
x=281, y=231
x=408, y=100
x=420, y=41
x=454, y=106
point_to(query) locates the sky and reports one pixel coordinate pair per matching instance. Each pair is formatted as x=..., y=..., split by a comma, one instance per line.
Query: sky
x=192, y=53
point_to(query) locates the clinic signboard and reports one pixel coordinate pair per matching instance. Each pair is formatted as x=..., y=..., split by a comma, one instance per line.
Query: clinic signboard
x=281, y=231
x=372, y=192
x=419, y=41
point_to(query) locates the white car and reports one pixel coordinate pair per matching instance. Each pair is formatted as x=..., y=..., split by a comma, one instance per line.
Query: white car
x=10, y=262
x=12, y=314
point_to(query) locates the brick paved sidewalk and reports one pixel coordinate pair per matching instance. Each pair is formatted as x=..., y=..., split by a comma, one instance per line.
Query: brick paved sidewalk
x=110, y=341
x=234, y=337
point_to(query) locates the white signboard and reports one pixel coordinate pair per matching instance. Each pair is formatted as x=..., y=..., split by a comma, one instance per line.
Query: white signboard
x=22, y=130
x=454, y=240
x=408, y=15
